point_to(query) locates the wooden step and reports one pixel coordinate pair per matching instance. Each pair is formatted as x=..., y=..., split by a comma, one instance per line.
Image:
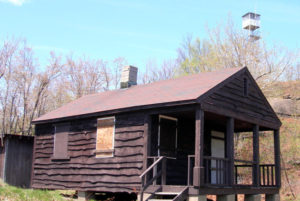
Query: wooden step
x=160, y=200
x=166, y=193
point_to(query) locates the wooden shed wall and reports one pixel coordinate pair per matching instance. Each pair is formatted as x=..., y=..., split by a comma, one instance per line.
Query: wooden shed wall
x=84, y=171
x=18, y=160
x=1, y=160
x=230, y=98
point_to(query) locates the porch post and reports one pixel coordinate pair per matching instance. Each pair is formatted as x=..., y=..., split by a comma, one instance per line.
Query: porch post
x=277, y=158
x=255, y=171
x=146, y=142
x=198, y=178
x=230, y=149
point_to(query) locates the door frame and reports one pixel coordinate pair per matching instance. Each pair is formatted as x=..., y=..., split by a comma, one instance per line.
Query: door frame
x=158, y=136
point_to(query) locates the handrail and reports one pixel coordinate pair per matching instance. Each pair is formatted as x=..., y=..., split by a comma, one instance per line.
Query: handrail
x=243, y=161
x=154, y=164
x=182, y=194
x=161, y=173
x=215, y=158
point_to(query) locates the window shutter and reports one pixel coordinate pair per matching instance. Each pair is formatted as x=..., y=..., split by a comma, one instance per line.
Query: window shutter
x=61, y=141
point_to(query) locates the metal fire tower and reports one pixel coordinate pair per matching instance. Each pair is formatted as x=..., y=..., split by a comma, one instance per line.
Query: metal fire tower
x=251, y=23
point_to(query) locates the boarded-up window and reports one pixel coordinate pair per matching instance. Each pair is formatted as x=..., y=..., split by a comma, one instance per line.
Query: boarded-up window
x=105, y=137
x=61, y=141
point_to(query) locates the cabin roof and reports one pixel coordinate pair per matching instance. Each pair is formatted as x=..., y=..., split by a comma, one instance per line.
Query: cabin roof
x=186, y=88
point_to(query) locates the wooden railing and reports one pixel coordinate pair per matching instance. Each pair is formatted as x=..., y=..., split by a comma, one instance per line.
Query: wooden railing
x=156, y=174
x=267, y=175
x=216, y=171
x=243, y=175
x=243, y=172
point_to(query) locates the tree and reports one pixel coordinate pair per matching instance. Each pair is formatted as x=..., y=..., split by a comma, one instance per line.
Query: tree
x=22, y=87
x=116, y=68
x=43, y=81
x=230, y=47
x=86, y=76
x=153, y=73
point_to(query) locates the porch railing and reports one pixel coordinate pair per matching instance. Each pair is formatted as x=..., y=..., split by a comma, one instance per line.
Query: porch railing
x=216, y=170
x=243, y=172
x=243, y=175
x=267, y=172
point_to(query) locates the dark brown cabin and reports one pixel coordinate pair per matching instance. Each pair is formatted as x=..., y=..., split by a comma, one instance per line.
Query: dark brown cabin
x=174, y=136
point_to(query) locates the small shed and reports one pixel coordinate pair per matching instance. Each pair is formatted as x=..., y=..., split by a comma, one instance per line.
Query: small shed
x=16, y=159
x=168, y=138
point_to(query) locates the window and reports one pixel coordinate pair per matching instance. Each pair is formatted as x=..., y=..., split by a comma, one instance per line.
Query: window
x=105, y=137
x=245, y=87
x=61, y=141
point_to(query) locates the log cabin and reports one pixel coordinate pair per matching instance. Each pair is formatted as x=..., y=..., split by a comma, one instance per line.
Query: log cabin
x=167, y=140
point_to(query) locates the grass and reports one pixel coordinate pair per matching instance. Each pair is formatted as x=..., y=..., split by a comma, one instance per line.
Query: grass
x=11, y=193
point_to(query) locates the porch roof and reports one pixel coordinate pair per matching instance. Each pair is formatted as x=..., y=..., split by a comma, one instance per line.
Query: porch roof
x=186, y=88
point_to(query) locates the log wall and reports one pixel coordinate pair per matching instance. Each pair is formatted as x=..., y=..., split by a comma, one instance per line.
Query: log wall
x=83, y=171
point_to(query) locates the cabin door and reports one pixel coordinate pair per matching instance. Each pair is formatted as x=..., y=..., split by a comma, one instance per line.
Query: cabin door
x=167, y=136
x=217, y=150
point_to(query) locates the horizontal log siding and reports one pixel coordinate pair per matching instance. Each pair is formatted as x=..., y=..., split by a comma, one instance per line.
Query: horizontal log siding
x=231, y=97
x=85, y=172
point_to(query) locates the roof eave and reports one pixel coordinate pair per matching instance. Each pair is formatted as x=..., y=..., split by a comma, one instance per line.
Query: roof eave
x=116, y=111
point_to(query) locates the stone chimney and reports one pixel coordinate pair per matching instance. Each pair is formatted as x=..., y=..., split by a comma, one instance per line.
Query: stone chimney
x=128, y=76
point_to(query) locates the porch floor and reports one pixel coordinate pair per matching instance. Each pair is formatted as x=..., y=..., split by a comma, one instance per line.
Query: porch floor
x=214, y=190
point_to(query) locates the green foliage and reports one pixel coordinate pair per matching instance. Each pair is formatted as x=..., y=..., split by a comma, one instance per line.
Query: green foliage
x=200, y=57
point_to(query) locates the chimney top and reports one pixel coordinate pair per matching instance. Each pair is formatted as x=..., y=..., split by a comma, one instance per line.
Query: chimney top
x=128, y=76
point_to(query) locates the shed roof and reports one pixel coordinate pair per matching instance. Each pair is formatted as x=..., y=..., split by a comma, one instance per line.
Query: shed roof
x=187, y=88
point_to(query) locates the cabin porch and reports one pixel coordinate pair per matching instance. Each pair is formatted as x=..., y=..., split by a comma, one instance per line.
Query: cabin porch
x=192, y=151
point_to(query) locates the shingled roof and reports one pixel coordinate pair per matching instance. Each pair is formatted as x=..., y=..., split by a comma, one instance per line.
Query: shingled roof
x=187, y=88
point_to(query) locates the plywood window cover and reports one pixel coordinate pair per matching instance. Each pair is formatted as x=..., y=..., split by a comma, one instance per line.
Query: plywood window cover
x=105, y=153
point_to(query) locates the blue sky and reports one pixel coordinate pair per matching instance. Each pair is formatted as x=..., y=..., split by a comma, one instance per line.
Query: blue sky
x=134, y=29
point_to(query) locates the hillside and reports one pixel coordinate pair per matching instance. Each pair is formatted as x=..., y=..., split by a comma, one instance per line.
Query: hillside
x=290, y=149
x=285, y=99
